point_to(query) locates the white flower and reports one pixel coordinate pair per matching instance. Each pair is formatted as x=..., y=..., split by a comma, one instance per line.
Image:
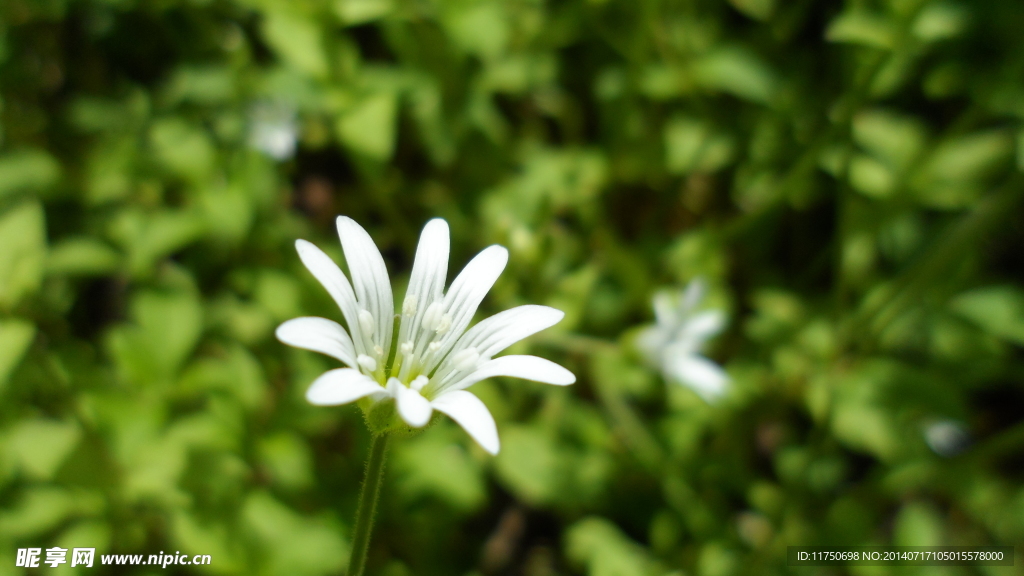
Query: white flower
x=274, y=130
x=674, y=343
x=434, y=358
x=947, y=437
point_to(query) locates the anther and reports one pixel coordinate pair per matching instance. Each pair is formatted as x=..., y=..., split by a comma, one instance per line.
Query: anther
x=366, y=322
x=434, y=346
x=419, y=382
x=368, y=363
x=444, y=324
x=409, y=306
x=405, y=348
x=432, y=316
x=378, y=350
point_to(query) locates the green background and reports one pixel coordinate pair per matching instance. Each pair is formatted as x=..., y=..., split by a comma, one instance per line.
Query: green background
x=845, y=176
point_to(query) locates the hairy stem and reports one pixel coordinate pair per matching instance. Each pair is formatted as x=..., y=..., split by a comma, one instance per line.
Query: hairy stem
x=367, y=504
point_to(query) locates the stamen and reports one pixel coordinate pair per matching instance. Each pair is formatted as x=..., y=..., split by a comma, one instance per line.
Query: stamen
x=366, y=322
x=434, y=346
x=409, y=306
x=419, y=382
x=444, y=324
x=465, y=359
x=368, y=364
x=432, y=316
x=406, y=348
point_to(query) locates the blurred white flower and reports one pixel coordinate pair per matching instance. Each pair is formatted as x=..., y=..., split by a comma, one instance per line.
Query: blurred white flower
x=946, y=438
x=434, y=358
x=673, y=345
x=273, y=130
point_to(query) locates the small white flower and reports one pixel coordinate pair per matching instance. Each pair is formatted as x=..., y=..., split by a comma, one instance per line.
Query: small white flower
x=674, y=343
x=947, y=438
x=274, y=130
x=433, y=358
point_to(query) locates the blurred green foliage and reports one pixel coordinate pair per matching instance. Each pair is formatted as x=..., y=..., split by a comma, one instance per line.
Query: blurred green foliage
x=846, y=176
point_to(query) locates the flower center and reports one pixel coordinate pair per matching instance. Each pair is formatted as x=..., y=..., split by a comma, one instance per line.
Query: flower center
x=416, y=362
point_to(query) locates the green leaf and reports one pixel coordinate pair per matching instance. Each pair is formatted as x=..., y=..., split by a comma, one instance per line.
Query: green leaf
x=434, y=466
x=292, y=543
x=615, y=371
x=148, y=238
x=480, y=28
x=529, y=464
x=572, y=294
x=968, y=157
x=15, y=337
x=693, y=145
x=171, y=322
x=82, y=256
x=297, y=39
x=168, y=327
x=202, y=84
x=109, y=170
x=90, y=114
x=662, y=82
x=278, y=293
x=757, y=9
x=27, y=170
x=893, y=138
x=955, y=174
x=39, y=510
x=739, y=72
x=918, y=524
x=940, y=21
x=355, y=12
x=83, y=534
x=997, y=309
x=856, y=26
x=604, y=550
x=213, y=538
x=153, y=471
x=238, y=373
x=40, y=446
x=288, y=459
x=43, y=508
x=228, y=213
x=23, y=256
x=871, y=177
x=182, y=148
x=369, y=127
x=859, y=419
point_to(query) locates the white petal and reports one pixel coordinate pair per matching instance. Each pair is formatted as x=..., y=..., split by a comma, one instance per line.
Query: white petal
x=700, y=374
x=341, y=386
x=527, y=367
x=319, y=335
x=467, y=291
x=429, y=272
x=412, y=407
x=704, y=325
x=693, y=295
x=494, y=334
x=498, y=332
x=327, y=273
x=369, y=278
x=470, y=413
x=681, y=347
x=651, y=342
x=666, y=308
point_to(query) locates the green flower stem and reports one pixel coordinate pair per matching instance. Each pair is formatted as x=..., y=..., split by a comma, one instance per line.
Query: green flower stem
x=367, y=504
